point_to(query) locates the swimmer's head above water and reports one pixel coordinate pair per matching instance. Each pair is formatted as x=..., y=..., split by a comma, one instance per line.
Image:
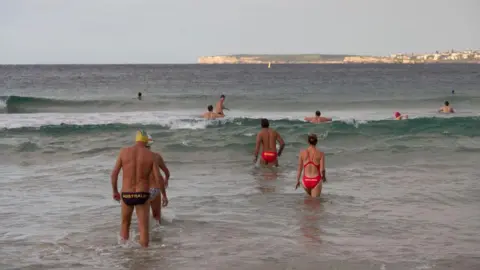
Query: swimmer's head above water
x=397, y=114
x=318, y=113
x=210, y=108
x=312, y=139
x=222, y=97
x=446, y=103
x=264, y=123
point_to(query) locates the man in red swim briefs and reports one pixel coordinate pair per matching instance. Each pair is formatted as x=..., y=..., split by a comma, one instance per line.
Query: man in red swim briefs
x=268, y=138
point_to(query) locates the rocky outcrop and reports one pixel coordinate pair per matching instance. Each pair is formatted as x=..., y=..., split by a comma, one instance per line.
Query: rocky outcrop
x=367, y=60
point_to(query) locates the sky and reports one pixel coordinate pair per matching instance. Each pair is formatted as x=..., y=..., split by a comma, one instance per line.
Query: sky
x=180, y=31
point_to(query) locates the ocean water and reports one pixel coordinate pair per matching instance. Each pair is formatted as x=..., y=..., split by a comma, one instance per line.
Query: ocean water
x=401, y=194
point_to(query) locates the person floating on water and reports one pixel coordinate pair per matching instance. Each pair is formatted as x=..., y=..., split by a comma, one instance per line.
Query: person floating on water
x=399, y=116
x=317, y=118
x=210, y=114
x=139, y=96
x=268, y=138
x=155, y=187
x=219, y=107
x=137, y=163
x=446, y=108
x=312, y=162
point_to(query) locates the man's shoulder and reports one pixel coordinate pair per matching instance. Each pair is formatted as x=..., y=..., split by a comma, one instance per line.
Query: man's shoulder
x=125, y=149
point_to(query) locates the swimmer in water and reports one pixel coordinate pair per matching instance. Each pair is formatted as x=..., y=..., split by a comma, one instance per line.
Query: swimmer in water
x=317, y=118
x=139, y=96
x=210, y=114
x=312, y=162
x=399, y=116
x=219, y=107
x=155, y=187
x=267, y=138
x=446, y=108
x=137, y=163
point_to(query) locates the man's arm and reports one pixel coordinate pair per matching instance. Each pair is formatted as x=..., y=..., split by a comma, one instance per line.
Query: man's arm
x=163, y=167
x=281, y=142
x=322, y=168
x=299, y=169
x=115, y=172
x=158, y=177
x=223, y=107
x=257, y=147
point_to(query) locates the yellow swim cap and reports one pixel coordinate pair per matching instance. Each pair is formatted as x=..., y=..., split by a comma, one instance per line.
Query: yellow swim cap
x=141, y=136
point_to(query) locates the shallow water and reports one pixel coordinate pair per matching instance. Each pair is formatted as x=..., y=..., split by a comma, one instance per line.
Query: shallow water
x=400, y=195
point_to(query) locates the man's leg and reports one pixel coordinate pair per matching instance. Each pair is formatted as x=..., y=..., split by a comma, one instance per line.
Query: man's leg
x=126, y=220
x=143, y=214
x=156, y=205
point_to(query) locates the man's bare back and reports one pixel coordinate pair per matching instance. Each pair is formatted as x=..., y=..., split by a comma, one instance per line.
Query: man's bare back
x=137, y=163
x=267, y=138
x=212, y=115
x=317, y=118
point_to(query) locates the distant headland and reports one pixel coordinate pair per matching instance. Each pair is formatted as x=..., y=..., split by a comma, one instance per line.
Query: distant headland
x=466, y=56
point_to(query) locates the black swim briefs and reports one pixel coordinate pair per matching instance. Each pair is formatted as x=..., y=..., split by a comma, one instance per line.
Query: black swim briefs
x=135, y=198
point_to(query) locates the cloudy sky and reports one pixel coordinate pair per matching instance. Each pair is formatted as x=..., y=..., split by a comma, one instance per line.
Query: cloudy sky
x=179, y=31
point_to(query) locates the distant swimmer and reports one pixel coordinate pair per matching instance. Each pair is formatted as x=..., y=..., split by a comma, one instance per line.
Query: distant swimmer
x=399, y=116
x=453, y=92
x=139, y=96
x=268, y=138
x=446, y=108
x=219, y=107
x=312, y=162
x=210, y=114
x=317, y=118
x=137, y=163
x=155, y=187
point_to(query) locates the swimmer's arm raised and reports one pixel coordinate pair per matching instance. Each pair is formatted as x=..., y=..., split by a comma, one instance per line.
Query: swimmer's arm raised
x=281, y=142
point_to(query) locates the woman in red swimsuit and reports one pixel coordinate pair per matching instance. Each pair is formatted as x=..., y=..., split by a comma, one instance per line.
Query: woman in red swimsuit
x=312, y=162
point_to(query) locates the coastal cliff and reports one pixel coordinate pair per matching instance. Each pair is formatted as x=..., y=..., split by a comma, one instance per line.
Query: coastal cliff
x=452, y=56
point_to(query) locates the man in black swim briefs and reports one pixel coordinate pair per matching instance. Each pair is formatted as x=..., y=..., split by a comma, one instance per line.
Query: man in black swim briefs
x=137, y=162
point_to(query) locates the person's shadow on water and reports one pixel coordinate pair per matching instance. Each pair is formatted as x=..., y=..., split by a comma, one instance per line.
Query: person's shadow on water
x=311, y=212
x=265, y=178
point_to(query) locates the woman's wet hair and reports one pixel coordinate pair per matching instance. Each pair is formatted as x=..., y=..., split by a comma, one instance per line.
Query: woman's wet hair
x=312, y=139
x=210, y=108
x=264, y=122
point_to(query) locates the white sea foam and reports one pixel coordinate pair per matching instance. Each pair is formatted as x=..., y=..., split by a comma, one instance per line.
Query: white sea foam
x=187, y=119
